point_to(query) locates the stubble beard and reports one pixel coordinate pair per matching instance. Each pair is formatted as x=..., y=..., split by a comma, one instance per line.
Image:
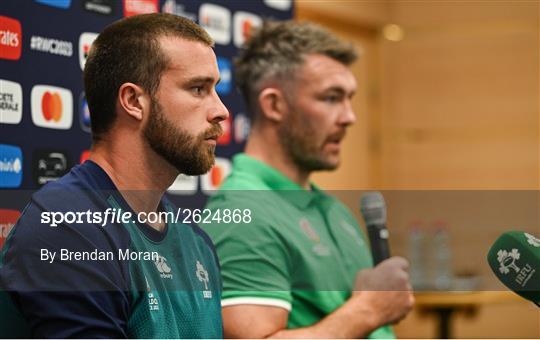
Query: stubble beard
x=297, y=139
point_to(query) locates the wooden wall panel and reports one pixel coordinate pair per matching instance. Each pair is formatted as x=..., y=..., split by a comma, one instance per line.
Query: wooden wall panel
x=453, y=106
x=460, y=97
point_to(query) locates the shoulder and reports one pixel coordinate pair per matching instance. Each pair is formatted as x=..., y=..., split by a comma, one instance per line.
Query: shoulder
x=335, y=205
x=199, y=238
x=203, y=236
x=243, y=180
x=84, y=186
x=61, y=216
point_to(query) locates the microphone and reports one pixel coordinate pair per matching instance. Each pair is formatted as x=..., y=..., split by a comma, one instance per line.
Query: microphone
x=515, y=260
x=373, y=210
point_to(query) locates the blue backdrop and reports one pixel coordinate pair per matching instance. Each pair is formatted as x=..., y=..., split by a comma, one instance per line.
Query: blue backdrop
x=44, y=120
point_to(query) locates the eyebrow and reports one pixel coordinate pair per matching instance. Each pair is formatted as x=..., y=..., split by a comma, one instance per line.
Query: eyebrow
x=340, y=90
x=201, y=80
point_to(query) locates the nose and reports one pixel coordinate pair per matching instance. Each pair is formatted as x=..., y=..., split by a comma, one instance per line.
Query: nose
x=348, y=117
x=219, y=110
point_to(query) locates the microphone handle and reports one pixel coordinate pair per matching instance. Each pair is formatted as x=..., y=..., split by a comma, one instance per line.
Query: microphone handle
x=378, y=239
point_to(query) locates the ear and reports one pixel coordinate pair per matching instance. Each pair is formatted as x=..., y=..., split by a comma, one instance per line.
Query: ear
x=273, y=104
x=134, y=100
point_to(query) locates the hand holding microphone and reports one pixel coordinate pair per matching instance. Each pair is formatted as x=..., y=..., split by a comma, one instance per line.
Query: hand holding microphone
x=386, y=288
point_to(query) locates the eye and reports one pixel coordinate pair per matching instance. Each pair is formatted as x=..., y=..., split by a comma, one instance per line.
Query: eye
x=332, y=98
x=197, y=90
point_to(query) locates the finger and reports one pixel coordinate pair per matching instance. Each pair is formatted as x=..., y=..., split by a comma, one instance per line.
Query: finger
x=401, y=262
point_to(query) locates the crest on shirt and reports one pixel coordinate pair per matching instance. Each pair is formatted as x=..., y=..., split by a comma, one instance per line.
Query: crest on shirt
x=308, y=230
x=318, y=248
x=202, y=275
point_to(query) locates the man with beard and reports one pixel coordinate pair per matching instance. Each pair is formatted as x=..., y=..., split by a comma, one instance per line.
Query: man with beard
x=150, y=85
x=300, y=266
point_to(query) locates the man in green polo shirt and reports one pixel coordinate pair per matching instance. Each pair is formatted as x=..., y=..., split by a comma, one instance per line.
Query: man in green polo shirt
x=294, y=260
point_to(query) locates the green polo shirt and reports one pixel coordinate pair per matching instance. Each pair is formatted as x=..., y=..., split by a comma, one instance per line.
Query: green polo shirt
x=299, y=249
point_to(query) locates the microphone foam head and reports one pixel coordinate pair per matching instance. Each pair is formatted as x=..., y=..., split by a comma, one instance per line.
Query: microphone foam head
x=515, y=260
x=373, y=207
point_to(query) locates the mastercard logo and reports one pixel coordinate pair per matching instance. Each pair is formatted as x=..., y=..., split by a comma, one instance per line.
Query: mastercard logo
x=51, y=106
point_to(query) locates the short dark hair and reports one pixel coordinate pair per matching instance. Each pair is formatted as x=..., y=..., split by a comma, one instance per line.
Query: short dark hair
x=277, y=49
x=128, y=51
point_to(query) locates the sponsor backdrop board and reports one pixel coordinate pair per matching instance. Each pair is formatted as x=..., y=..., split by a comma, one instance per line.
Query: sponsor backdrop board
x=44, y=119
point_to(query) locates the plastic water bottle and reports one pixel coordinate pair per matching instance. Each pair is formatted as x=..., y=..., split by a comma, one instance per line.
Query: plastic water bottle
x=416, y=255
x=443, y=257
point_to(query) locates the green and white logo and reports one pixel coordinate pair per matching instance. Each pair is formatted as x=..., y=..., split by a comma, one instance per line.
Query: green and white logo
x=533, y=241
x=202, y=275
x=507, y=260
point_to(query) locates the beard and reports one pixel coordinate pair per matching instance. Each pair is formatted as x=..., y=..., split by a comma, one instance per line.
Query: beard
x=297, y=137
x=189, y=154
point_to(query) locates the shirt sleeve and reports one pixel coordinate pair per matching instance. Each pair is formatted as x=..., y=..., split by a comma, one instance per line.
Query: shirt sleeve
x=255, y=265
x=65, y=299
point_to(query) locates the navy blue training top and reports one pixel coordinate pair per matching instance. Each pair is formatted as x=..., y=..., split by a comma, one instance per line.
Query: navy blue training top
x=129, y=280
